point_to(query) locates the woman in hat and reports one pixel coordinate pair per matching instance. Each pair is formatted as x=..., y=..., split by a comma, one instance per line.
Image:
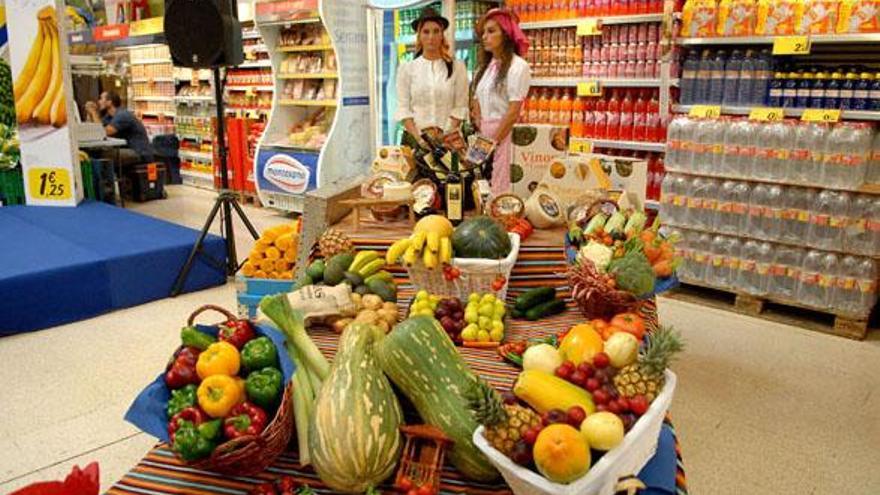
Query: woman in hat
x=432, y=89
x=501, y=85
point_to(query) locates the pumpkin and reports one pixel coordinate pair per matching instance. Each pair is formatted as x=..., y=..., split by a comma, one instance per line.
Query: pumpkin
x=481, y=237
x=355, y=439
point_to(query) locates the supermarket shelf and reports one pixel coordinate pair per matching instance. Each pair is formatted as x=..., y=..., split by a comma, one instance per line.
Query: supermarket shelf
x=308, y=20
x=308, y=103
x=260, y=64
x=305, y=48
x=195, y=137
x=152, y=79
x=196, y=155
x=256, y=48
x=193, y=99
x=247, y=109
x=565, y=82
x=624, y=145
x=323, y=75
x=151, y=61
x=789, y=112
x=865, y=188
x=459, y=36
x=255, y=87
x=768, y=40
x=154, y=113
x=292, y=147
x=605, y=20
x=251, y=36
x=153, y=98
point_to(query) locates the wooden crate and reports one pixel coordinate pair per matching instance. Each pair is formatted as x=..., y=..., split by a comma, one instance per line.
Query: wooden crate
x=780, y=311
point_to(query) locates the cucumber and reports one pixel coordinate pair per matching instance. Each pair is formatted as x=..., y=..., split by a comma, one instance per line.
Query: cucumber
x=534, y=297
x=548, y=308
x=515, y=313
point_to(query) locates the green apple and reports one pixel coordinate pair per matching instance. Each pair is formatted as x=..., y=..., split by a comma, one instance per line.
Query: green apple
x=471, y=316
x=485, y=323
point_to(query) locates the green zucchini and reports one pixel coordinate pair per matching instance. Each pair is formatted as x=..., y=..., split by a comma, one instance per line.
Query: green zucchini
x=534, y=297
x=548, y=308
x=595, y=223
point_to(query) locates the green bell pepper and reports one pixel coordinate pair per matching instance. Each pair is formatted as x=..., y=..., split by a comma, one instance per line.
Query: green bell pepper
x=181, y=399
x=259, y=353
x=263, y=387
x=190, y=443
x=191, y=337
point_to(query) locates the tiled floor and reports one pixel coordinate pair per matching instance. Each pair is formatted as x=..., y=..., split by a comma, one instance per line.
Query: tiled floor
x=761, y=408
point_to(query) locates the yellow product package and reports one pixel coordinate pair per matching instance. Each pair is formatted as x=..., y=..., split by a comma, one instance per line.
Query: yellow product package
x=778, y=17
x=737, y=17
x=858, y=16
x=698, y=18
x=819, y=17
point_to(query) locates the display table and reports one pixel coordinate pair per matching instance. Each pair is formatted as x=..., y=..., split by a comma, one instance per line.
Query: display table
x=161, y=472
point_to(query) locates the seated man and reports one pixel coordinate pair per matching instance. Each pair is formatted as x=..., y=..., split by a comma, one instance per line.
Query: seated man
x=121, y=123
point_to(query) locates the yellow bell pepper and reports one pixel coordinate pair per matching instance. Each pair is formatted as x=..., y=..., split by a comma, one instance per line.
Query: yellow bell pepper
x=581, y=343
x=218, y=394
x=220, y=358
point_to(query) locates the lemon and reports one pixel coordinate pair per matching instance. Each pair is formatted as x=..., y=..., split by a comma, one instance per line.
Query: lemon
x=474, y=298
x=483, y=336
x=497, y=335
x=470, y=332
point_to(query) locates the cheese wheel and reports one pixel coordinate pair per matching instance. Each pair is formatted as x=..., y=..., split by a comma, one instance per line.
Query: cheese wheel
x=544, y=210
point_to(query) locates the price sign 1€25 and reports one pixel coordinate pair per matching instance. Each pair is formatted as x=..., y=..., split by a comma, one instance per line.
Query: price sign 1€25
x=49, y=183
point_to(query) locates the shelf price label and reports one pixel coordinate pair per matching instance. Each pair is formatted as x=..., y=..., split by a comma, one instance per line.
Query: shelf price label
x=580, y=146
x=589, y=27
x=705, y=111
x=52, y=183
x=766, y=114
x=791, y=45
x=820, y=115
x=589, y=88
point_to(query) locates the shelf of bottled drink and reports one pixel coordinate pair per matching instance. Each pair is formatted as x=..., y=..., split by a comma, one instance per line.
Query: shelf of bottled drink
x=864, y=188
x=601, y=20
x=622, y=145
x=788, y=112
x=568, y=82
x=769, y=40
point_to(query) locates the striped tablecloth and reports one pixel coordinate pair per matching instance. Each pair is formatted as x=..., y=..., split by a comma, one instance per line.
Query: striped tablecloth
x=160, y=472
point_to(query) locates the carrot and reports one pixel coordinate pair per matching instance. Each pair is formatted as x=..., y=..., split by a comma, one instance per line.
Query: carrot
x=652, y=253
x=480, y=345
x=648, y=236
x=663, y=268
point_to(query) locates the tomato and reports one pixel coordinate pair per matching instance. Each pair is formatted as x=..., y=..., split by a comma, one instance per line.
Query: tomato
x=412, y=492
x=499, y=283
x=630, y=323
x=425, y=490
x=405, y=484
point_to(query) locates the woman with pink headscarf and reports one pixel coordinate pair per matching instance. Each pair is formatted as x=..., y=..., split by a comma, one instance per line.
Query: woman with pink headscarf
x=501, y=85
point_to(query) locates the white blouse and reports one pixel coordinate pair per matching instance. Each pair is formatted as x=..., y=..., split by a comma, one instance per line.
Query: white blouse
x=428, y=96
x=494, y=101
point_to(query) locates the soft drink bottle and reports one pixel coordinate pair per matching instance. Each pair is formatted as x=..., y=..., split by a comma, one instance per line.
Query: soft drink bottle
x=652, y=128
x=589, y=118
x=742, y=193
x=716, y=78
x=777, y=87
x=772, y=221
x=754, y=266
x=660, y=173
x=874, y=93
x=872, y=175
x=817, y=92
x=847, y=91
x=828, y=220
x=763, y=74
x=867, y=284
x=704, y=77
x=731, y=78
x=804, y=87
x=785, y=270
x=858, y=238
x=565, y=107
x=612, y=118
x=577, y=118
x=862, y=92
x=600, y=118
x=640, y=117
x=675, y=140
x=755, y=221
x=789, y=90
x=689, y=78
x=724, y=220
x=667, y=199
x=709, y=202
x=746, y=79
x=626, y=117
x=796, y=203
x=832, y=91
x=846, y=297
x=701, y=254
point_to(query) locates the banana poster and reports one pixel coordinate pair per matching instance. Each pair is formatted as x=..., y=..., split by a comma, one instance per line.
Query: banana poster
x=42, y=89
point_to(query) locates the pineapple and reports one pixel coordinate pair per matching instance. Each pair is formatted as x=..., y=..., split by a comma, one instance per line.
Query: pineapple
x=504, y=423
x=645, y=376
x=333, y=242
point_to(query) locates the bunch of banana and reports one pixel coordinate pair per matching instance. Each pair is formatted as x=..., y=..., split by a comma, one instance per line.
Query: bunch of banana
x=39, y=88
x=432, y=249
x=366, y=264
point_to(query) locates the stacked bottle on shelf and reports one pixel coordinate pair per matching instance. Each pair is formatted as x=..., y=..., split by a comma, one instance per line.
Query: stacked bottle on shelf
x=549, y=10
x=623, y=51
x=707, y=18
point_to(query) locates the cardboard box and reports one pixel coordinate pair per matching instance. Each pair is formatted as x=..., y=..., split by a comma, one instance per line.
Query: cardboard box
x=535, y=147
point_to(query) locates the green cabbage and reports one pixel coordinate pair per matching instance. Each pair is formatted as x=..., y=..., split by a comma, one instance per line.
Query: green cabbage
x=633, y=273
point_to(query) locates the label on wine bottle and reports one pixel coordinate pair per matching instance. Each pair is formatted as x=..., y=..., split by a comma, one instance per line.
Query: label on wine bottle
x=453, y=202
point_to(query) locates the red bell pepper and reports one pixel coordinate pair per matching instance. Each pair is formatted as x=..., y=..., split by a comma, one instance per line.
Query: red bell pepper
x=192, y=414
x=236, y=332
x=245, y=419
x=181, y=370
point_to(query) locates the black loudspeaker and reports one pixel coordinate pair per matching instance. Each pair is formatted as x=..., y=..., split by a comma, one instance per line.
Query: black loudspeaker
x=203, y=34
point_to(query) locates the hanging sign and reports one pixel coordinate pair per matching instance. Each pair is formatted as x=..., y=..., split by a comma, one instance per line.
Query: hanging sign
x=286, y=10
x=42, y=89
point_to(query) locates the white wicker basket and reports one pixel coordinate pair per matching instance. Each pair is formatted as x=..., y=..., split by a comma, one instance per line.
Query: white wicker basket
x=477, y=275
x=628, y=458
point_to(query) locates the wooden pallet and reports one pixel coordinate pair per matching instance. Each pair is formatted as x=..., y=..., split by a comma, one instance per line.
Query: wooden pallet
x=786, y=312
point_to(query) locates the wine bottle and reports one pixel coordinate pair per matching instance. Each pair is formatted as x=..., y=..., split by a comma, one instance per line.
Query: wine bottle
x=454, y=198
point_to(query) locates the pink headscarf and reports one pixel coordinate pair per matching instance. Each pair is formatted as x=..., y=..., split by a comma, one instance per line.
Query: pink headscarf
x=509, y=23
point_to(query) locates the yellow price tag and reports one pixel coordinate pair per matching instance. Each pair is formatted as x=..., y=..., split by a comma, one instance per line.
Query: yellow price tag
x=766, y=114
x=51, y=183
x=791, y=45
x=153, y=25
x=589, y=88
x=589, y=27
x=705, y=111
x=580, y=146
x=820, y=115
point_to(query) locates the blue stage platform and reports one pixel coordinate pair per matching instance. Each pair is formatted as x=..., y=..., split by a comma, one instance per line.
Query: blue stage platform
x=59, y=265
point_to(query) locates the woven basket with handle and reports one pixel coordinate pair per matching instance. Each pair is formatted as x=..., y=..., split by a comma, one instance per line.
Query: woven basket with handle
x=254, y=453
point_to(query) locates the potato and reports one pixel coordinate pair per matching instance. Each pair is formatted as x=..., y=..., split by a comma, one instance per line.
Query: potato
x=384, y=326
x=388, y=315
x=390, y=306
x=372, y=301
x=357, y=300
x=340, y=324
x=367, y=316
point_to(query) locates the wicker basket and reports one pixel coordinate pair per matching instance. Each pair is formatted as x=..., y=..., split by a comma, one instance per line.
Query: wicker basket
x=477, y=275
x=250, y=454
x=598, y=300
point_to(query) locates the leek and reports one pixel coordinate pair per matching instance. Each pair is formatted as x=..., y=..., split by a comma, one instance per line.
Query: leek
x=292, y=323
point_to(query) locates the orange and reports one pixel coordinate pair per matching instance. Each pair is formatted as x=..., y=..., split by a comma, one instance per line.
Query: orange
x=561, y=453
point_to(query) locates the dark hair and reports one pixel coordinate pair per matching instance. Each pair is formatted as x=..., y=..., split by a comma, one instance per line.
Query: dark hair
x=484, y=57
x=114, y=98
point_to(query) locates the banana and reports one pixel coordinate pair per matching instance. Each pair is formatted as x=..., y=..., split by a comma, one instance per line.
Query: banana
x=433, y=241
x=42, y=112
x=445, y=250
x=30, y=66
x=430, y=259
x=361, y=259
x=409, y=257
x=36, y=90
x=371, y=267
x=396, y=250
x=59, y=110
x=419, y=240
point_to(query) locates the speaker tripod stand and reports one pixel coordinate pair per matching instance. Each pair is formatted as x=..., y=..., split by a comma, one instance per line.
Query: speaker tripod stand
x=225, y=203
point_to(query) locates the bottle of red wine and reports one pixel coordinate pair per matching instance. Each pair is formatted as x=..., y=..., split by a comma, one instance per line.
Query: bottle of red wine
x=454, y=194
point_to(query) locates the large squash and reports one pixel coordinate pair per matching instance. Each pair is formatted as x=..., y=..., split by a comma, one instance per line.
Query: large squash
x=481, y=237
x=421, y=360
x=355, y=439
